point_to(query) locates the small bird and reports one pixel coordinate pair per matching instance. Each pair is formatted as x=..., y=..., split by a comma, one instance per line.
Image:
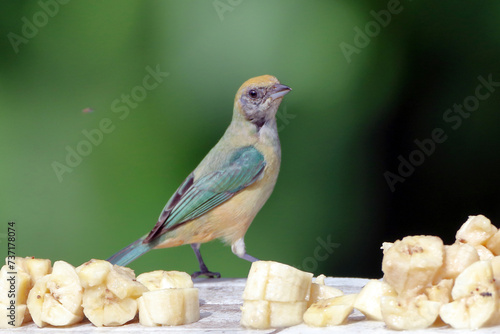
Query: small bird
x=222, y=196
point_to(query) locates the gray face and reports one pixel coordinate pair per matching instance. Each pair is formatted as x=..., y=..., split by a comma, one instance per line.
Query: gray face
x=255, y=102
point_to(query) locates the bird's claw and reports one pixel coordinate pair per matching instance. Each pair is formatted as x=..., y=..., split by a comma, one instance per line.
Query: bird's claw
x=207, y=273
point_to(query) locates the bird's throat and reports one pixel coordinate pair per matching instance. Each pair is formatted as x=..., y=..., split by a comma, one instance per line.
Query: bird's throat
x=259, y=123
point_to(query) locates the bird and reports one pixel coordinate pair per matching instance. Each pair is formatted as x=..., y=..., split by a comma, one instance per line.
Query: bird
x=224, y=193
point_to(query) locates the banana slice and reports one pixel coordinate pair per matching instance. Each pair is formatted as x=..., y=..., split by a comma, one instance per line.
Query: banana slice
x=457, y=257
x=440, y=292
x=493, y=243
x=22, y=272
x=256, y=314
x=65, y=287
x=275, y=295
x=273, y=281
x=476, y=231
x=161, y=279
x=14, y=289
x=477, y=278
x=35, y=300
x=55, y=314
x=103, y=308
x=410, y=313
x=495, y=266
x=263, y=314
x=320, y=291
x=94, y=272
x=484, y=253
x=122, y=283
x=173, y=307
x=475, y=298
x=110, y=293
x=36, y=268
x=368, y=301
x=56, y=299
x=14, y=285
x=12, y=316
x=330, y=312
x=410, y=264
x=171, y=299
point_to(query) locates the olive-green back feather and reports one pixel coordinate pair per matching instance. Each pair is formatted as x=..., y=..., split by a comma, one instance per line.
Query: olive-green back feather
x=196, y=197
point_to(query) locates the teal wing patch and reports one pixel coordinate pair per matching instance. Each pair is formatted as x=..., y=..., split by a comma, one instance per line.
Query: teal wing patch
x=195, y=198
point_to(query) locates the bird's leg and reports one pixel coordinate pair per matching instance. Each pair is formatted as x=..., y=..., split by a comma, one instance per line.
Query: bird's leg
x=249, y=257
x=238, y=248
x=203, y=267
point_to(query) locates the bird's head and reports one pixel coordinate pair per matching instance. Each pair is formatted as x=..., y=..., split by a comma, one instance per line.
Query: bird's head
x=258, y=99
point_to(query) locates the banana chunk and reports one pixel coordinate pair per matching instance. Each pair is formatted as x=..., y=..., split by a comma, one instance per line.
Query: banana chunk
x=495, y=266
x=14, y=285
x=369, y=298
x=56, y=299
x=457, y=257
x=14, y=289
x=12, y=315
x=110, y=293
x=409, y=313
x=410, y=264
x=278, y=282
x=330, y=312
x=161, y=279
x=17, y=278
x=474, y=298
x=275, y=295
x=484, y=253
x=36, y=268
x=320, y=291
x=171, y=299
x=476, y=231
x=440, y=292
x=172, y=307
x=493, y=243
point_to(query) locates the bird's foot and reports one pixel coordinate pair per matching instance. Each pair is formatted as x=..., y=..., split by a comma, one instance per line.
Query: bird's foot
x=203, y=267
x=207, y=273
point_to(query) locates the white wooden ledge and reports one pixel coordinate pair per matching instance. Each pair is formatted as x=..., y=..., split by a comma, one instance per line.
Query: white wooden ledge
x=220, y=301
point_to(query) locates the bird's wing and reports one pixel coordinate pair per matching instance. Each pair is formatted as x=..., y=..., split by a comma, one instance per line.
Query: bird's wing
x=194, y=198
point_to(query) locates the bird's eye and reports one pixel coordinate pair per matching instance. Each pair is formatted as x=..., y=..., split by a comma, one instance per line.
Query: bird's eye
x=253, y=93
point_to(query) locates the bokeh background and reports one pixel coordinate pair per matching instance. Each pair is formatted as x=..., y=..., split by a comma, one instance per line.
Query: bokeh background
x=350, y=119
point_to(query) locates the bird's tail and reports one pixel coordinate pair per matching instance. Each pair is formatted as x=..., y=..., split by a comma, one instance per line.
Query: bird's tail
x=131, y=252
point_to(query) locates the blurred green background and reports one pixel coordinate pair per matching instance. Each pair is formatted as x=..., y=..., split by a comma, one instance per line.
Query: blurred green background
x=350, y=116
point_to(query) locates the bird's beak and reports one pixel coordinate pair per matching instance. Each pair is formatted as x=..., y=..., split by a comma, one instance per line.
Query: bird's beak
x=279, y=90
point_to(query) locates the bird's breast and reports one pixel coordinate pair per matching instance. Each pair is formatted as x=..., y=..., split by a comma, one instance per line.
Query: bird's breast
x=231, y=220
